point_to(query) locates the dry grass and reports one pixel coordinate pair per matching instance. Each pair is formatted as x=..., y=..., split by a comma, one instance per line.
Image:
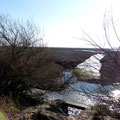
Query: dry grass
x=82, y=74
x=7, y=108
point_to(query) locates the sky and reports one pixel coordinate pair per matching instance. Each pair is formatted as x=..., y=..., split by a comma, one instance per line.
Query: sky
x=62, y=22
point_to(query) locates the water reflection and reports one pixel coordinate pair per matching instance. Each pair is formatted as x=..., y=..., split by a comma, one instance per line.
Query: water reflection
x=83, y=92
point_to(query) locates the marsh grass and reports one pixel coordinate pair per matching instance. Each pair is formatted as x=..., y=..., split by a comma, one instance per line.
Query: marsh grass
x=80, y=74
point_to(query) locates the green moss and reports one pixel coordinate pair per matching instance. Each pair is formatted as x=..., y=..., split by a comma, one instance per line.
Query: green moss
x=3, y=116
x=7, y=105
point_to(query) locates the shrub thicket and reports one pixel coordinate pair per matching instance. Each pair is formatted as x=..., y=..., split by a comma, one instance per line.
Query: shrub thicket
x=24, y=61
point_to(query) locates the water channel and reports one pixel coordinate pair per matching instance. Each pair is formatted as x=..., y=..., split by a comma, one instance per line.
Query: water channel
x=83, y=92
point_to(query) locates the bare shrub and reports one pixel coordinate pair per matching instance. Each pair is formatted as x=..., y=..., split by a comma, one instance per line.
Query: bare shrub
x=24, y=60
x=110, y=71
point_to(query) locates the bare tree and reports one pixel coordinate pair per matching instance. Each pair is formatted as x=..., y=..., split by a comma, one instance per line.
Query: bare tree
x=110, y=70
x=24, y=60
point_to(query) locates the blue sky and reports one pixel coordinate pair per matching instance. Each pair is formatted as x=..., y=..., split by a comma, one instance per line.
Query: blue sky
x=46, y=11
x=60, y=20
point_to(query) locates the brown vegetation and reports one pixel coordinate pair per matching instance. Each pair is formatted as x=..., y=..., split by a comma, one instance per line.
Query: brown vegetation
x=24, y=61
x=70, y=57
